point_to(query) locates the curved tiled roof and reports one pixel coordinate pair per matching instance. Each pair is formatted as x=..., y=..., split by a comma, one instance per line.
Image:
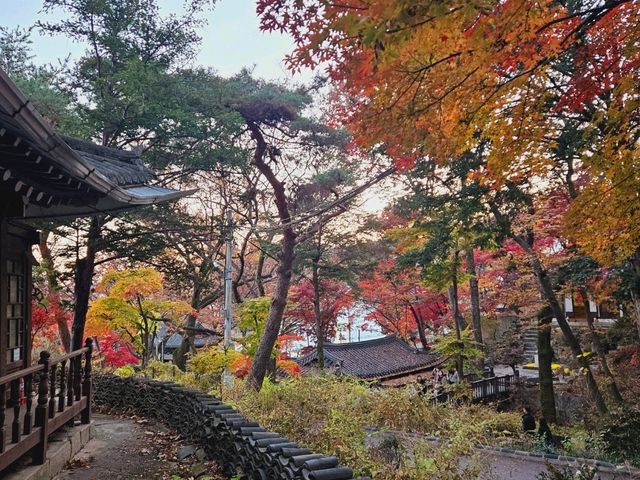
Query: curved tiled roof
x=199, y=341
x=203, y=337
x=122, y=167
x=381, y=357
x=62, y=176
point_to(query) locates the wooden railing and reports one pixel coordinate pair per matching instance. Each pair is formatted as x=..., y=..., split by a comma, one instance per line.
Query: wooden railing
x=483, y=389
x=62, y=390
x=492, y=387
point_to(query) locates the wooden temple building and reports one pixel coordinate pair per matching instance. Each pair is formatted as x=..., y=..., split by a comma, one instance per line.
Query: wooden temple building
x=389, y=360
x=45, y=175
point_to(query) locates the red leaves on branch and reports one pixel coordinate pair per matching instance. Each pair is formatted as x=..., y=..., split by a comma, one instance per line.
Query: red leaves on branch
x=604, y=58
x=44, y=326
x=117, y=352
x=398, y=300
x=335, y=298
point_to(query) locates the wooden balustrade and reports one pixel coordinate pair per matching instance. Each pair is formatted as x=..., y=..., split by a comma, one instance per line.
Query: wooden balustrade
x=483, y=389
x=63, y=389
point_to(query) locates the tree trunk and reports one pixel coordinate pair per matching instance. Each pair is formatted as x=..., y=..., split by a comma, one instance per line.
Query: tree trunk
x=145, y=349
x=545, y=372
x=635, y=298
x=635, y=288
x=285, y=264
x=258, y=277
x=474, y=295
x=53, y=295
x=278, y=305
x=457, y=317
x=83, y=281
x=315, y=279
x=180, y=354
x=420, y=324
x=544, y=284
x=187, y=344
x=611, y=384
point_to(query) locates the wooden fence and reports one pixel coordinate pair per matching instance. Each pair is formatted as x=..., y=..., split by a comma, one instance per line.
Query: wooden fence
x=61, y=389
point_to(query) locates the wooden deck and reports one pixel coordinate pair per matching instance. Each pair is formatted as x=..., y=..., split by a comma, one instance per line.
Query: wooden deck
x=60, y=390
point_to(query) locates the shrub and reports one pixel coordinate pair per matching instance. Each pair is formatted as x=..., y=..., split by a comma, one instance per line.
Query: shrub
x=620, y=432
x=337, y=415
x=125, y=371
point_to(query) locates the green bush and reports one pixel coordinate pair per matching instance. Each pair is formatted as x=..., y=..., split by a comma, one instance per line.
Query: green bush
x=357, y=422
x=620, y=433
x=125, y=371
x=336, y=415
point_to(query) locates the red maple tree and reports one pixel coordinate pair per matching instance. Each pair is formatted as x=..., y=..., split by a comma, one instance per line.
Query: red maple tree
x=400, y=304
x=335, y=298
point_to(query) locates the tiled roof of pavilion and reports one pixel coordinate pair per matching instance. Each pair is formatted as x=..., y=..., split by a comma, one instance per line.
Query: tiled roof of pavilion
x=122, y=167
x=62, y=176
x=203, y=337
x=378, y=358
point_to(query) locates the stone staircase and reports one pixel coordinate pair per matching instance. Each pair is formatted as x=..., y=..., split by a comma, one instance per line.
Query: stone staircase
x=530, y=339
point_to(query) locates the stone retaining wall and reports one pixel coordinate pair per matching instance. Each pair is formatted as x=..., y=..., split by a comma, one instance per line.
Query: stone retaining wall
x=239, y=446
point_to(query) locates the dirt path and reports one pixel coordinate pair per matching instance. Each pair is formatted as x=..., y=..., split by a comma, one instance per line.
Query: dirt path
x=128, y=448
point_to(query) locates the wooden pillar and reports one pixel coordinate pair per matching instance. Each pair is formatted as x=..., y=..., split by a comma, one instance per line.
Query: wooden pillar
x=3, y=307
x=77, y=378
x=3, y=395
x=16, y=426
x=28, y=393
x=85, y=417
x=40, y=450
x=63, y=385
x=70, y=377
x=52, y=389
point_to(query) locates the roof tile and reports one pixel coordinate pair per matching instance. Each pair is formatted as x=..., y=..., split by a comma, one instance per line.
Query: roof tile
x=375, y=358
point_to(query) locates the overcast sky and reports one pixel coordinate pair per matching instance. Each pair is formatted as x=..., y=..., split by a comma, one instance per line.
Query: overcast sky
x=230, y=41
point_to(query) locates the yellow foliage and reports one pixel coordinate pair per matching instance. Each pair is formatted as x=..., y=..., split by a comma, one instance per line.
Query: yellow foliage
x=133, y=305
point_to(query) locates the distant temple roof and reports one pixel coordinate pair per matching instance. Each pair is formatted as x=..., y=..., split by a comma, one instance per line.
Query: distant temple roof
x=378, y=358
x=63, y=176
x=203, y=337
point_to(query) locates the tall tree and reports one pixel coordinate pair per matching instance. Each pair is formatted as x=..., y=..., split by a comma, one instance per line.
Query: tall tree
x=123, y=88
x=580, y=273
x=424, y=77
x=316, y=309
x=278, y=133
x=333, y=257
x=448, y=208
